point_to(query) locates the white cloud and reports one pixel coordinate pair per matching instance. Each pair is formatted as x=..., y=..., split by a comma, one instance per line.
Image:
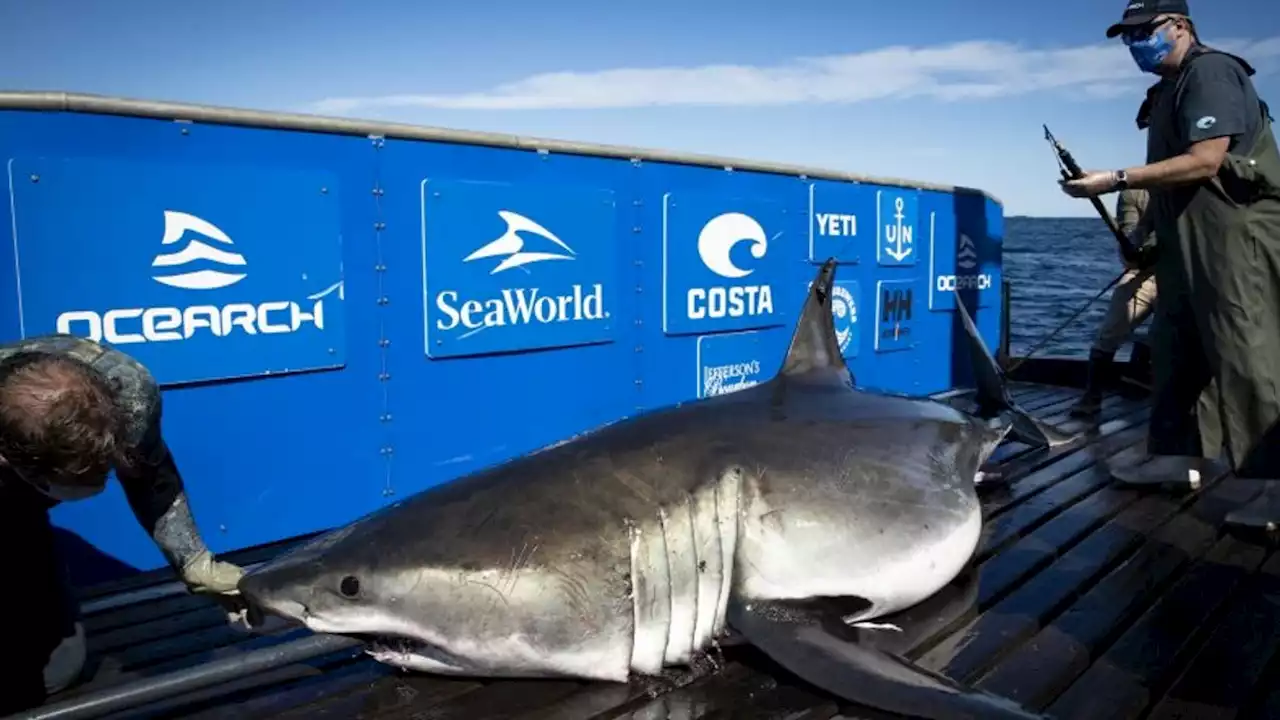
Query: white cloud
x=960, y=71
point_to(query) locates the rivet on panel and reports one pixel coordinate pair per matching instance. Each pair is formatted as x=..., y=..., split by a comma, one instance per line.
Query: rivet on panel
x=35, y=178
x=332, y=351
x=635, y=229
x=324, y=191
x=383, y=301
x=384, y=343
x=379, y=226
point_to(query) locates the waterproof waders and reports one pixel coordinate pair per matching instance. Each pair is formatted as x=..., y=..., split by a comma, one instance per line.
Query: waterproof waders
x=1218, y=319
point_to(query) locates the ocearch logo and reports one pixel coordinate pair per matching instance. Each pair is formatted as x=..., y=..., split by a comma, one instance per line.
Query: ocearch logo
x=125, y=326
x=176, y=225
x=967, y=277
x=716, y=241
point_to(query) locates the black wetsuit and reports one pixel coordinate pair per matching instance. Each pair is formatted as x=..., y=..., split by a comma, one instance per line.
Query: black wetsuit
x=38, y=607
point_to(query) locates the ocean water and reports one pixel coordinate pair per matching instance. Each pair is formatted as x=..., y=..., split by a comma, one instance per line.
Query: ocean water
x=1055, y=265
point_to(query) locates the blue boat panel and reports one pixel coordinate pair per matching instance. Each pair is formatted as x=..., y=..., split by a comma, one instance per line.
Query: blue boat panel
x=410, y=398
x=666, y=361
x=510, y=267
x=723, y=260
x=961, y=258
x=993, y=217
x=842, y=220
x=201, y=270
x=479, y=398
x=262, y=457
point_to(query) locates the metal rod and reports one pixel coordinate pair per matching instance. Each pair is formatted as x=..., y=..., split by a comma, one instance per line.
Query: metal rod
x=1006, y=322
x=1071, y=170
x=163, y=687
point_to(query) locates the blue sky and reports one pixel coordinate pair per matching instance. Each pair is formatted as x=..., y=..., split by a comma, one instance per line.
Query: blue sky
x=937, y=90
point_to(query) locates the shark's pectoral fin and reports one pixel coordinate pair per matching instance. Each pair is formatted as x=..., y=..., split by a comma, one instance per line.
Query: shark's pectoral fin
x=1032, y=431
x=817, y=650
x=897, y=633
x=993, y=391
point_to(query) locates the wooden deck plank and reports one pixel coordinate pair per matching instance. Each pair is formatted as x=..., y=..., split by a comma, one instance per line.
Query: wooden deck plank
x=1093, y=601
x=1042, y=668
x=1123, y=681
x=1224, y=674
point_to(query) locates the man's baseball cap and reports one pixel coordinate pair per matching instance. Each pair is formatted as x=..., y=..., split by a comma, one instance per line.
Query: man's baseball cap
x=1141, y=12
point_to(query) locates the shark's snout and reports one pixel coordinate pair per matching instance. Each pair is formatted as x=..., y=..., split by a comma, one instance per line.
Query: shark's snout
x=264, y=591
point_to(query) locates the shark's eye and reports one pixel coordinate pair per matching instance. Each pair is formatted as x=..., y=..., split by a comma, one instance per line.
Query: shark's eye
x=350, y=586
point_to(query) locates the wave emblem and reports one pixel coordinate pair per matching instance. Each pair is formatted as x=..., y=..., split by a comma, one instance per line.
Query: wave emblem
x=176, y=226
x=511, y=244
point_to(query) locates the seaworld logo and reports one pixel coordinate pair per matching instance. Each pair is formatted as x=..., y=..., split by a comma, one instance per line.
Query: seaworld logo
x=520, y=306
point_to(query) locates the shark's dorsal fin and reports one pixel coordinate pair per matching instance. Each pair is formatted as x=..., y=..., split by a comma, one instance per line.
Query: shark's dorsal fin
x=814, y=351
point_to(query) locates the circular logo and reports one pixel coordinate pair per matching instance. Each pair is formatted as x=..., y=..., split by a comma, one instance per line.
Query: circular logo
x=721, y=234
x=844, y=312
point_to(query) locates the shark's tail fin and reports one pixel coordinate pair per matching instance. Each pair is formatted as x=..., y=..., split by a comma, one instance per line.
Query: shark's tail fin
x=993, y=392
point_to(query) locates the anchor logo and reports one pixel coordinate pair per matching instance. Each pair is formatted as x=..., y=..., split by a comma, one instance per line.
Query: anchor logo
x=897, y=236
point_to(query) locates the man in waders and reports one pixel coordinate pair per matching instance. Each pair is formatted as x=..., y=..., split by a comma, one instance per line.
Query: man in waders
x=1132, y=301
x=70, y=411
x=1214, y=176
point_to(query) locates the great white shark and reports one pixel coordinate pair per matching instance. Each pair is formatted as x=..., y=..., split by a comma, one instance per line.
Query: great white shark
x=636, y=546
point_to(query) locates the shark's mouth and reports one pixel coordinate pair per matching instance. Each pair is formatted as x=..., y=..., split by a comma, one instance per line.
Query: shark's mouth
x=411, y=652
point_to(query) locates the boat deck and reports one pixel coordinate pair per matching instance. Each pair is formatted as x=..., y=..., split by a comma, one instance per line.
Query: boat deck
x=1093, y=601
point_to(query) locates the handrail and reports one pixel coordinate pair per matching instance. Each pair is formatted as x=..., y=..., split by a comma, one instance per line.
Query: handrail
x=108, y=105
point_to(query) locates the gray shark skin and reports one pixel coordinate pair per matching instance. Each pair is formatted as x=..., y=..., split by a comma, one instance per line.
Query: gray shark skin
x=633, y=547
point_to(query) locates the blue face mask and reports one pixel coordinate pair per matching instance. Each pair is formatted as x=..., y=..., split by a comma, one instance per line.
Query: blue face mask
x=1150, y=51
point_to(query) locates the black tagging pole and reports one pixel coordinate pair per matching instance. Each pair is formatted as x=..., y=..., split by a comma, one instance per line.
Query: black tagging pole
x=1071, y=170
